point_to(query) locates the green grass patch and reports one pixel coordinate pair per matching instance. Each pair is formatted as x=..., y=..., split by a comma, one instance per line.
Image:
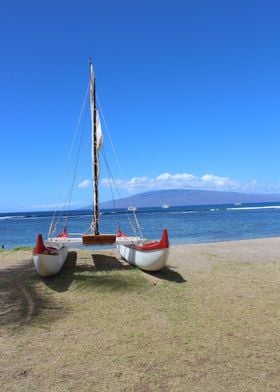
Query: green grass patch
x=22, y=248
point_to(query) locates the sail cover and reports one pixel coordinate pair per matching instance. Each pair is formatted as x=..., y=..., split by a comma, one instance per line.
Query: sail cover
x=99, y=135
x=97, y=139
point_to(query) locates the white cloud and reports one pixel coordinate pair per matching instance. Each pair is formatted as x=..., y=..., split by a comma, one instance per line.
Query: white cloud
x=84, y=184
x=190, y=181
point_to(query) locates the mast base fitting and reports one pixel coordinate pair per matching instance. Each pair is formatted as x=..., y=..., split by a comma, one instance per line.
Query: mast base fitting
x=99, y=239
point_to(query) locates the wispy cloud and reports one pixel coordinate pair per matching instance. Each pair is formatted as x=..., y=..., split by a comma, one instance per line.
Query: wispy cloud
x=84, y=184
x=191, y=181
x=54, y=206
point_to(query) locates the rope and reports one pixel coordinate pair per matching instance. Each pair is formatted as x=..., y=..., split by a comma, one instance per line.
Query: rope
x=112, y=181
x=133, y=228
x=66, y=204
x=112, y=146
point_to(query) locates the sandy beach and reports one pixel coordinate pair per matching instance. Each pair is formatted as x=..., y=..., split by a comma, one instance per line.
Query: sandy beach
x=210, y=321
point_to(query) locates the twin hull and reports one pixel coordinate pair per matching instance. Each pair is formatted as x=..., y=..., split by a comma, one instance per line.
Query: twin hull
x=147, y=260
x=47, y=265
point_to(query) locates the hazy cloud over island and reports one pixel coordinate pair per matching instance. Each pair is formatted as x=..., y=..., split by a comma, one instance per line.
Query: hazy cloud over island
x=191, y=181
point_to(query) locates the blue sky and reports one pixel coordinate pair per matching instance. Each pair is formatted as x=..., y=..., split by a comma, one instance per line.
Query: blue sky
x=190, y=90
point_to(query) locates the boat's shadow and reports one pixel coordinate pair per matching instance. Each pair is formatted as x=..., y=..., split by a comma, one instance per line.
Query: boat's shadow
x=107, y=263
x=73, y=270
x=95, y=262
x=74, y=267
x=65, y=277
x=169, y=274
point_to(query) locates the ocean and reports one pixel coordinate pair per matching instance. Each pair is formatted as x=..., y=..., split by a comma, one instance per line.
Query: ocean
x=186, y=225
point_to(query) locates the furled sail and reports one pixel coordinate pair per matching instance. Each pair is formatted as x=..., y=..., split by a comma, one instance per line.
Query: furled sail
x=97, y=139
x=99, y=134
x=95, y=238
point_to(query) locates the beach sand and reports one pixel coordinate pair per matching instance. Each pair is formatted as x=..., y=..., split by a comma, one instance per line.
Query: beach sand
x=210, y=321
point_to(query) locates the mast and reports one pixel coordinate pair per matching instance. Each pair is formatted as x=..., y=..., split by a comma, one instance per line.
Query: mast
x=94, y=152
x=95, y=238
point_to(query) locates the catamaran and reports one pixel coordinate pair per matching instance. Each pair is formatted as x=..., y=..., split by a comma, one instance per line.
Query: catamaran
x=143, y=253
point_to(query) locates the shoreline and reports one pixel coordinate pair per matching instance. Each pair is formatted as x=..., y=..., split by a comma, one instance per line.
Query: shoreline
x=171, y=244
x=30, y=247
x=249, y=250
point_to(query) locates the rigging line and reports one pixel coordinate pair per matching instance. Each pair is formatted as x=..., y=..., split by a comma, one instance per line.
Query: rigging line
x=77, y=164
x=77, y=127
x=112, y=144
x=110, y=138
x=71, y=150
x=67, y=202
x=112, y=180
x=120, y=169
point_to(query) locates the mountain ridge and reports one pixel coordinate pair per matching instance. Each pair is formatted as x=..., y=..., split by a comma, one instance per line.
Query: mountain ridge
x=180, y=197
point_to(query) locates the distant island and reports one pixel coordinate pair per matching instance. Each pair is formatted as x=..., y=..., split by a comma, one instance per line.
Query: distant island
x=191, y=197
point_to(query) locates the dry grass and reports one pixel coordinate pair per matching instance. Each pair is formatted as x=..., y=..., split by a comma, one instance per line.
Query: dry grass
x=208, y=322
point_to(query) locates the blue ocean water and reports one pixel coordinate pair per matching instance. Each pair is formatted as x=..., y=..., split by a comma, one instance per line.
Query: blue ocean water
x=186, y=225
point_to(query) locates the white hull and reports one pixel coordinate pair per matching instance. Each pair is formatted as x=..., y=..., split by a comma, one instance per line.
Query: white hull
x=148, y=260
x=47, y=265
